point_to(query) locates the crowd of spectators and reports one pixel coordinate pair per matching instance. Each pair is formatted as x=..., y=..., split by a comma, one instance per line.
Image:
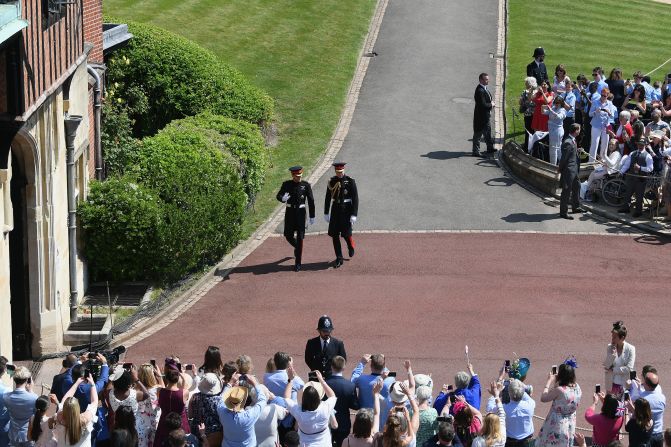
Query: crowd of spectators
x=624, y=124
x=224, y=404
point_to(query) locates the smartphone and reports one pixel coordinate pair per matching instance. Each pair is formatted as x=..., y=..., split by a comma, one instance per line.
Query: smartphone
x=597, y=388
x=312, y=377
x=153, y=362
x=450, y=387
x=632, y=375
x=554, y=370
x=127, y=366
x=189, y=367
x=626, y=395
x=507, y=365
x=179, y=367
x=391, y=374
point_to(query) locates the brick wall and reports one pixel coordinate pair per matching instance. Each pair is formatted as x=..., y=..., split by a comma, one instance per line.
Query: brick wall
x=93, y=28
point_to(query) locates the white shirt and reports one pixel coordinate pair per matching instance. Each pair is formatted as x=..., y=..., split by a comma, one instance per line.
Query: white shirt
x=626, y=162
x=313, y=426
x=657, y=403
x=266, y=425
x=519, y=416
x=85, y=439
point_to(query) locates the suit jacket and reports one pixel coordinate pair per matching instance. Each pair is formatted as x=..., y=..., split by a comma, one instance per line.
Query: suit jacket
x=621, y=366
x=483, y=107
x=314, y=358
x=569, y=164
x=57, y=385
x=345, y=391
x=538, y=71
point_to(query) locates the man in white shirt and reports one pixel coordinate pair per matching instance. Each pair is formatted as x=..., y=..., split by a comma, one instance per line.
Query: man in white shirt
x=519, y=414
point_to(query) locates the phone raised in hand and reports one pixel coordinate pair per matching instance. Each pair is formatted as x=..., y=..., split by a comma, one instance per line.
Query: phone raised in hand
x=152, y=362
x=391, y=374
x=554, y=370
x=312, y=377
x=189, y=367
x=632, y=375
x=597, y=388
x=127, y=366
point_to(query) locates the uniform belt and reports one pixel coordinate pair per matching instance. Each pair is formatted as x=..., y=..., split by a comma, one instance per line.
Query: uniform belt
x=344, y=201
x=302, y=205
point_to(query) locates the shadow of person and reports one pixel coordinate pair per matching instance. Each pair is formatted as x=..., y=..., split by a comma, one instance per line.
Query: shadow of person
x=526, y=217
x=651, y=239
x=273, y=267
x=445, y=155
x=500, y=181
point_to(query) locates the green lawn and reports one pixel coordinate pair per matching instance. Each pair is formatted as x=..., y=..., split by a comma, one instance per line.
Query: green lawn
x=583, y=35
x=302, y=52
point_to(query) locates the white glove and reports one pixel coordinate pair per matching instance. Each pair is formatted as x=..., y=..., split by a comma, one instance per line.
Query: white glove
x=285, y=197
x=312, y=221
x=352, y=219
x=327, y=218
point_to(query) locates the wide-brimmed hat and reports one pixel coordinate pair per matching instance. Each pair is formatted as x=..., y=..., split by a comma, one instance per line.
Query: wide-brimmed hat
x=317, y=386
x=657, y=134
x=235, y=398
x=117, y=373
x=396, y=394
x=210, y=384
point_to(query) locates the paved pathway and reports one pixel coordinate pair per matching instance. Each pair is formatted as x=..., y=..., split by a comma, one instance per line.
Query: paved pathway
x=409, y=145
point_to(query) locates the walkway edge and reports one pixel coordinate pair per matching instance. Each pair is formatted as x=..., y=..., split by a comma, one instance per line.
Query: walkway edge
x=148, y=326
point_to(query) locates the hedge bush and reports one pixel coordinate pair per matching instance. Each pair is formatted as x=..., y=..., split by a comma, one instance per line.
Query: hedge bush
x=178, y=78
x=118, y=145
x=203, y=197
x=122, y=222
x=242, y=139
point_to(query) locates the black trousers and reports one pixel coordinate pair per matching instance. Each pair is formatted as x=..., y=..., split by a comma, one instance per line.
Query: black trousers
x=635, y=187
x=570, y=191
x=486, y=132
x=337, y=247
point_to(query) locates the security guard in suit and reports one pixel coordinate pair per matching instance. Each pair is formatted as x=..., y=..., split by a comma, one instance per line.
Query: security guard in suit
x=341, y=206
x=537, y=67
x=294, y=193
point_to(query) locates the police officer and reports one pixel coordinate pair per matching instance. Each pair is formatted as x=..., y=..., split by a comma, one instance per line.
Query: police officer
x=537, y=67
x=341, y=206
x=294, y=193
x=319, y=351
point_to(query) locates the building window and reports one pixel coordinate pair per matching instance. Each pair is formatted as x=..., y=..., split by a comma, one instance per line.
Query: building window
x=53, y=11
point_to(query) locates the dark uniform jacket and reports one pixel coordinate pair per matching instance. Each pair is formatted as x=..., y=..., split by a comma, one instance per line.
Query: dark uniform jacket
x=314, y=358
x=483, y=108
x=299, y=192
x=345, y=391
x=341, y=202
x=538, y=71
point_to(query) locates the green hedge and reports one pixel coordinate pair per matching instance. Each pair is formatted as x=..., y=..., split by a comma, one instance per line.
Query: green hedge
x=178, y=78
x=184, y=213
x=242, y=139
x=122, y=223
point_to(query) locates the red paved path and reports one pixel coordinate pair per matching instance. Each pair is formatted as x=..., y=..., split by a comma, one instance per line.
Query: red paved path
x=423, y=296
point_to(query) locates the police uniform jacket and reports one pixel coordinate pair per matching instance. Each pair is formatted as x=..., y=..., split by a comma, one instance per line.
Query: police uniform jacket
x=538, y=71
x=318, y=360
x=341, y=202
x=299, y=193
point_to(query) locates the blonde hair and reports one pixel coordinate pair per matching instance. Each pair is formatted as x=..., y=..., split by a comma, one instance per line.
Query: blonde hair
x=72, y=420
x=146, y=375
x=244, y=363
x=270, y=365
x=491, y=429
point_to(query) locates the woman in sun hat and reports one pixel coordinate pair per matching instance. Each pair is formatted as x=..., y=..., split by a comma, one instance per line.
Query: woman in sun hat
x=312, y=415
x=236, y=420
x=203, y=408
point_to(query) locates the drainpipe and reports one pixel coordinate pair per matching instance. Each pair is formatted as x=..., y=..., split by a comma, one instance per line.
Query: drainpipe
x=97, y=112
x=71, y=124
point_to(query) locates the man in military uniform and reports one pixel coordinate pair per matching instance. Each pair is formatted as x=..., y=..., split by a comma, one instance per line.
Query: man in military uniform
x=341, y=206
x=319, y=351
x=294, y=193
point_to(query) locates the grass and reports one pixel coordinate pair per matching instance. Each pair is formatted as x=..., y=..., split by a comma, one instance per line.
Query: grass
x=583, y=35
x=302, y=52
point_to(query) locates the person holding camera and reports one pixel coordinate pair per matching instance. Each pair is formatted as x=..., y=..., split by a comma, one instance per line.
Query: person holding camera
x=73, y=426
x=637, y=165
x=607, y=424
x=640, y=424
x=367, y=421
x=20, y=405
x=400, y=428
x=519, y=412
x=650, y=390
x=493, y=432
x=564, y=392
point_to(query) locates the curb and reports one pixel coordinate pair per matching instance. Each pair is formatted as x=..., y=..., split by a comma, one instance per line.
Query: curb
x=147, y=326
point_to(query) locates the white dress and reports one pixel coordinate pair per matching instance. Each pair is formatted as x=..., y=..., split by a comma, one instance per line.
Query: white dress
x=313, y=426
x=147, y=418
x=85, y=439
x=46, y=438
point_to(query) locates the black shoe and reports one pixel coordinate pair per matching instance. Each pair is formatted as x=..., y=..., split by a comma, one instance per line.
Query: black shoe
x=637, y=214
x=338, y=263
x=351, y=252
x=566, y=216
x=491, y=151
x=624, y=210
x=476, y=154
x=297, y=268
x=577, y=210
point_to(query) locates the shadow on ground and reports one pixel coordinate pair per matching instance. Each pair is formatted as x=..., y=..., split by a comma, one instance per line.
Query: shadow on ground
x=274, y=267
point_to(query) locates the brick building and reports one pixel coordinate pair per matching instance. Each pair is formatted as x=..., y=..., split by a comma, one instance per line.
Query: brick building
x=51, y=66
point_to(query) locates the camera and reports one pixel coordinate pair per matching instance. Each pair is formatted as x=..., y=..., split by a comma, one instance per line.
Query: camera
x=554, y=370
x=597, y=388
x=632, y=375
x=391, y=374
x=312, y=377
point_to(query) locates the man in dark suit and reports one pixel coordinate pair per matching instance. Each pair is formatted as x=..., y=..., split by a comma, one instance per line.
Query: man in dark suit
x=482, y=116
x=57, y=384
x=537, y=68
x=345, y=391
x=569, y=166
x=319, y=351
